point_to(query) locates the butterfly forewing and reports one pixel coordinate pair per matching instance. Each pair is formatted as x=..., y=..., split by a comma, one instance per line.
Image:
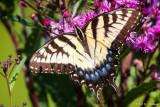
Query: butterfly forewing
x=113, y=27
x=55, y=56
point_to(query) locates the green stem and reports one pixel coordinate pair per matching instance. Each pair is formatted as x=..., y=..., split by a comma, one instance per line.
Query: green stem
x=10, y=92
x=12, y=69
x=2, y=74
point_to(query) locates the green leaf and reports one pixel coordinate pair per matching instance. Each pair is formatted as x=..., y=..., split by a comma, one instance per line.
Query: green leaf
x=77, y=6
x=136, y=92
x=125, y=52
x=19, y=19
x=15, y=73
x=90, y=5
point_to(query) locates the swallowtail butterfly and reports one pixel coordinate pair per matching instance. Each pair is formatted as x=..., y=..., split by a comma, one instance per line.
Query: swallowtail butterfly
x=88, y=54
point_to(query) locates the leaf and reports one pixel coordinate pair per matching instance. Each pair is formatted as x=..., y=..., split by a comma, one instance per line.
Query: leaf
x=15, y=73
x=19, y=19
x=59, y=87
x=90, y=5
x=125, y=53
x=136, y=92
x=78, y=5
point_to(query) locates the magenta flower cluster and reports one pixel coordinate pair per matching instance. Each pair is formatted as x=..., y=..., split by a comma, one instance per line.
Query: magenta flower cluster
x=146, y=42
x=150, y=30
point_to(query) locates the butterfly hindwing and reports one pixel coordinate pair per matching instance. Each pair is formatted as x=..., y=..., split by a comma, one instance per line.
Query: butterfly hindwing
x=55, y=56
x=113, y=27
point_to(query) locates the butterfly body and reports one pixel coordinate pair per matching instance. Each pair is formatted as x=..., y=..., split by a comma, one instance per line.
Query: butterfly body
x=88, y=54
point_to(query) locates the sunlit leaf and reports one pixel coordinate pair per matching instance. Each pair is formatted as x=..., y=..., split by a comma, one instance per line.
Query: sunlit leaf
x=15, y=73
x=136, y=92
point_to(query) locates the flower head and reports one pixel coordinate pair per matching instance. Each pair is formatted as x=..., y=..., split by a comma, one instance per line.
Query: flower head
x=106, y=6
x=131, y=38
x=156, y=76
x=85, y=17
x=143, y=43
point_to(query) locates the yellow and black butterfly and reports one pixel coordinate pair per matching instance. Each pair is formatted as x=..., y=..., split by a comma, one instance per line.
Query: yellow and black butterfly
x=87, y=55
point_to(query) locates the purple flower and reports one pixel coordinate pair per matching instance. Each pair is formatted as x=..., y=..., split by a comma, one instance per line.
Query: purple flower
x=106, y=6
x=55, y=27
x=156, y=29
x=128, y=3
x=143, y=43
x=131, y=38
x=146, y=26
x=85, y=17
x=156, y=11
x=156, y=76
x=146, y=11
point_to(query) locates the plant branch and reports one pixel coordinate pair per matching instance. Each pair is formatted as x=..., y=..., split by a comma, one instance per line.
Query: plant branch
x=10, y=92
x=101, y=102
x=2, y=74
x=36, y=10
x=12, y=69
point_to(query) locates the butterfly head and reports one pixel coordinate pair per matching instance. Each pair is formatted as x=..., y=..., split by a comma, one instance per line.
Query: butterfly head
x=79, y=32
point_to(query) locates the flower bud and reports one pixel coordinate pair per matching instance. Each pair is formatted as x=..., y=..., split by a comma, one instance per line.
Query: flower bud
x=142, y=3
x=96, y=4
x=24, y=103
x=152, y=67
x=16, y=59
x=10, y=55
x=113, y=3
x=17, y=62
x=19, y=57
x=46, y=22
x=33, y=15
x=1, y=105
x=63, y=6
x=65, y=14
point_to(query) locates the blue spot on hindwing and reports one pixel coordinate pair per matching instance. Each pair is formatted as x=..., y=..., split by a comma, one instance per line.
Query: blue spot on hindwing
x=110, y=52
x=80, y=73
x=104, y=71
x=100, y=72
x=97, y=75
x=110, y=59
x=108, y=67
x=93, y=77
x=87, y=77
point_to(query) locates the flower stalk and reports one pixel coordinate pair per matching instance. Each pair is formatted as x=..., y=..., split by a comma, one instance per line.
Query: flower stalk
x=5, y=65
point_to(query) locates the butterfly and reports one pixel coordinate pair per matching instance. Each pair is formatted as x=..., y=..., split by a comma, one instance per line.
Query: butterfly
x=88, y=54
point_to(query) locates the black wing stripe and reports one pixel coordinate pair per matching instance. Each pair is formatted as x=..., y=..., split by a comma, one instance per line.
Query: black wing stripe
x=133, y=20
x=94, y=27
x=106, y=20
x=52, y=53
